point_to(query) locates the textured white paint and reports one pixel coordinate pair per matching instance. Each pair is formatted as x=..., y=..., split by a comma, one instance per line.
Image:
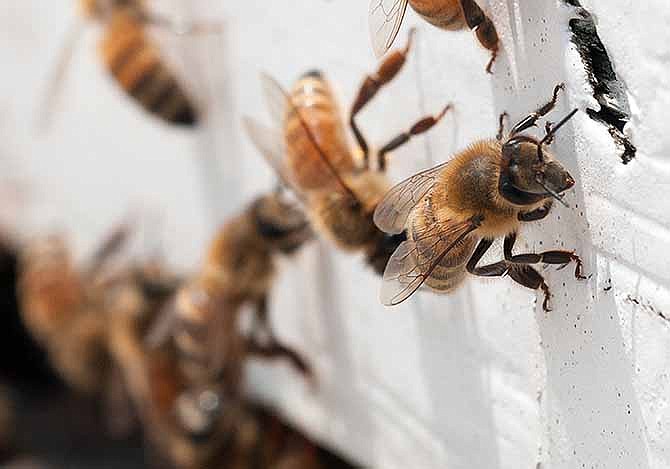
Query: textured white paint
x=480, y=379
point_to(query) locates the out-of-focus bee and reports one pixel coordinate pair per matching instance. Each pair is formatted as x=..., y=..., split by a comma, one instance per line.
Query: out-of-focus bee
x=385, y=18
x=201, y=411
x=453, y=212
x=238, y=270
x=134, y=60
x=311, y=153
x=63, y=308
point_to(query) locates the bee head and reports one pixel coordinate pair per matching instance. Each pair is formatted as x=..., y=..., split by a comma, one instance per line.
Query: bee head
x=530, y=172
x=281, y=222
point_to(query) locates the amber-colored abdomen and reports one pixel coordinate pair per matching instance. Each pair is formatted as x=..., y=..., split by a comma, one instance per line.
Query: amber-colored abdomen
x=313, y=98
x=137, y=66
x=444, y=14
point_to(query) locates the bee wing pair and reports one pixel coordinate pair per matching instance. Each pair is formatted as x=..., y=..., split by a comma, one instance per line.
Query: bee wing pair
x=415, y=259
x=385, y=18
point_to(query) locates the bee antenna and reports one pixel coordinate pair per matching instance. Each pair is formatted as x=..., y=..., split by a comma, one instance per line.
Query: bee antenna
x=552, y=193
x=555, y=128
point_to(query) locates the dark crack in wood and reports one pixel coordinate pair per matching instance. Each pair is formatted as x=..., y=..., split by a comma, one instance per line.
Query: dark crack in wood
x=608, y=89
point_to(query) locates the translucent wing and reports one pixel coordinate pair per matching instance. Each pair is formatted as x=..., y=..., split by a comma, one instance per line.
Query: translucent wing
x=277, y=100
x=414, y=260
x=270, y=143
x=384, y=19
x=53, y=92
x=392, y=212
x=280, y=106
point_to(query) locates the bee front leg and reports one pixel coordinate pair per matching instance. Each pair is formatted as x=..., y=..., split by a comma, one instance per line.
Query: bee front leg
x=388, y=69
x=531, y=119
x=537, y=214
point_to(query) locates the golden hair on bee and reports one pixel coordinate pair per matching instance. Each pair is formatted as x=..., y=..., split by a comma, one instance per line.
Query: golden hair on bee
x=452, y=213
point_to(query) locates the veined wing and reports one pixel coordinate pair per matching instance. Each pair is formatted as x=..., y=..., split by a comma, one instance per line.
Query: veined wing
x=392, y=212
x=281, y=105
x=384, y=19
x=415, y=260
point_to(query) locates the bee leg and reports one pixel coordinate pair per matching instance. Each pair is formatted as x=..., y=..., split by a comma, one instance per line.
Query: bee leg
x=421, y=126
x=529, y=277
x=537, y=214
x=562, y=258
x=277, y=350
x=531, y=119
x=497, y=269
x=262, y=328
x=501, y=125
x=483, y=27
x=388, y=69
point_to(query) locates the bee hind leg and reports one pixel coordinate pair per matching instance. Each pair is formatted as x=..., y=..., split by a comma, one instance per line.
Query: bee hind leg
x=422, y=125
x=483, y=27
x=275, y=350
x=388, y=69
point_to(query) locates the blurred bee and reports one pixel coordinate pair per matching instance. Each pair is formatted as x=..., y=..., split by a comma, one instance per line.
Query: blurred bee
x=238, y=270
x=203, y=410
x=452, y=213
x=63, y=308
x=132, y=58
x=313, y=155
x=385, y=18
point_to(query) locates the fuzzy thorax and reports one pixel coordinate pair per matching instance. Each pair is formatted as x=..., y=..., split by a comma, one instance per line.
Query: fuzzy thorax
x=468, y=186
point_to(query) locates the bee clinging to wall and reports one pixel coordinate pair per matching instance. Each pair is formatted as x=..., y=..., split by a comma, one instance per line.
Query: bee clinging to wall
x=133, y=59
x=238, y=271
x=385, y=18
x=311, y=152
x=453, y=212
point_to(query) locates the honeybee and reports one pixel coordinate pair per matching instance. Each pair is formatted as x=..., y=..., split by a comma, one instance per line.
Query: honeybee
x=134, y=60
x=312, y=154
x=385, y=18
x=62, y=307
x=453, y=212
x=238, y=270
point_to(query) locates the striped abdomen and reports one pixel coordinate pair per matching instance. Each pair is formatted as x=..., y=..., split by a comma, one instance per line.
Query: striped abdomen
x=450, y=271
x=317, y=106
x=136, y=64
x=445, y=14
x=205, y=333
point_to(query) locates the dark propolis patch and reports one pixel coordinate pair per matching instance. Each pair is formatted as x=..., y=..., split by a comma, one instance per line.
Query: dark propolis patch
x=608, y=90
